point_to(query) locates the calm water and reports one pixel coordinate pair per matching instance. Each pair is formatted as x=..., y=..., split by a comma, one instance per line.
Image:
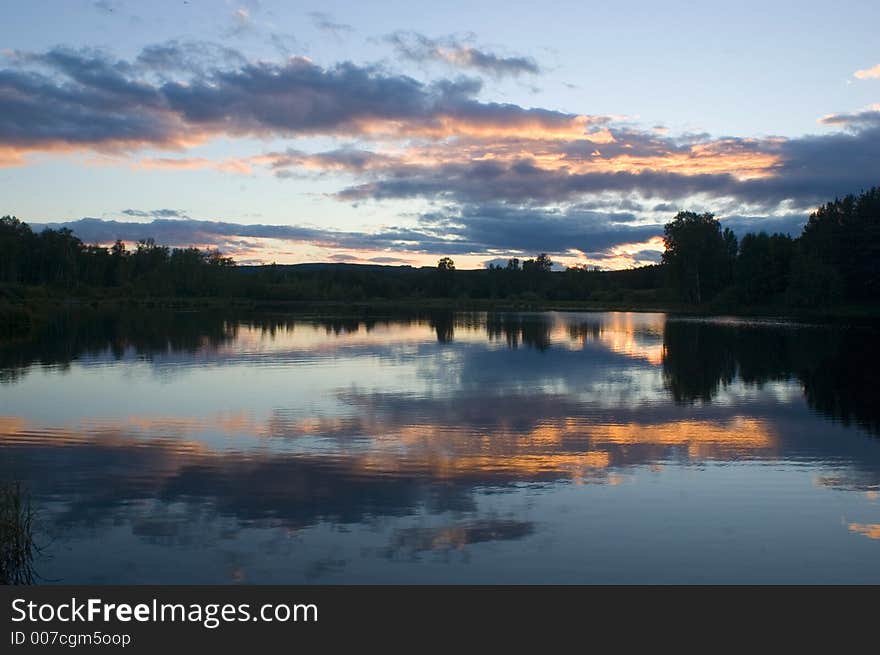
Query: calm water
x=528, y=448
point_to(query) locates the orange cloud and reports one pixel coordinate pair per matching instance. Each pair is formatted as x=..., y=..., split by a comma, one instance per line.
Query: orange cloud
x=447, y=126
x=242, y=166
x=10, y=157
x=546, y=150
x=868, y=73
x=15, y=155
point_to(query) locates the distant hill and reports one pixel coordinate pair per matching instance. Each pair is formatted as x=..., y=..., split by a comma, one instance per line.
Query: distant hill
x=339, y=266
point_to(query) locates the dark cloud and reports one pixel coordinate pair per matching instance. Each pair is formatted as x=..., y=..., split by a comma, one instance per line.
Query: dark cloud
x=234, y=237
x=96, y=103
x=524, y=181
x=181, y=232
x=299, y=97
x=85, y=98
x=647, y=255
x=818, y=168
x=451, y=50
x=470, y=230
x=790, y=224
x=613, y=204
x=295, y=97
x=865, y=119
x=811, y=169
x=511, y=228
x=342, y=159
x=665, y=207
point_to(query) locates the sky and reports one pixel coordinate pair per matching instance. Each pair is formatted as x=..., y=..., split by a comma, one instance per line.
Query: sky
x=402, y=132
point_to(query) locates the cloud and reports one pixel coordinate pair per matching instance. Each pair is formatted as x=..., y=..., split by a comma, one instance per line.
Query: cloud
x=347, y=159
x=67, y=99
x=865, y=119
x=343, y=257
x=526, y=182
x=790, y=224
x=187, y=56
x=241, y=16
x=505, y=228
x=868, y=73
x=324, y=22
x=458, y=231
x=456, y=147
x=804, y=170
x=647, y=256
x=451, y=50
x=242, y=22
x=611, y=239
x=155, y=213
x=283, y=43
x=232, y=165
x=232, y=236
x=300, y=98
x=184, y=231
x=505, y=178
x=89, y=102
x=388, y=260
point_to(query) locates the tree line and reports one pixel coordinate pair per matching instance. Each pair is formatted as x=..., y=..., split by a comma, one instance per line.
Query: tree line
x=835, y=259
x=58, y=258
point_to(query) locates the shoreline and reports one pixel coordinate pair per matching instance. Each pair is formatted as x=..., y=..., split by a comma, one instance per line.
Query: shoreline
x=27, y=312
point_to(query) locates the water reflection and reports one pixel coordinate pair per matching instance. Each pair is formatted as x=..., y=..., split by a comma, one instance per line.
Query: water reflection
x=569, y=446
x=413, y=542
x=839, y=369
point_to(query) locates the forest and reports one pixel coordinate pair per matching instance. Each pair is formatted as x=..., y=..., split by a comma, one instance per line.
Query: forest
x=834, y=261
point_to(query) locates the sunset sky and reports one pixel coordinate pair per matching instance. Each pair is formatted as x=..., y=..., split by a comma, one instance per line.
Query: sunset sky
x=401, y=132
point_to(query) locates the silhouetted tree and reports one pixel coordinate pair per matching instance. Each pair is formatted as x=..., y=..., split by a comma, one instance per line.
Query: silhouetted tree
x=844, y=236
x=543, y=263
x=16, y=239
x=763, y=266
x=699, y=255
x=813, y=282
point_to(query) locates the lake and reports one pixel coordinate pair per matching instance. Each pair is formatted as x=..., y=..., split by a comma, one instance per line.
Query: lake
x=163, y=447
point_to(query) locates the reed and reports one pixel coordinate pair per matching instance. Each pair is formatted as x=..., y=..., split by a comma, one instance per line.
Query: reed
x=17, y=548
